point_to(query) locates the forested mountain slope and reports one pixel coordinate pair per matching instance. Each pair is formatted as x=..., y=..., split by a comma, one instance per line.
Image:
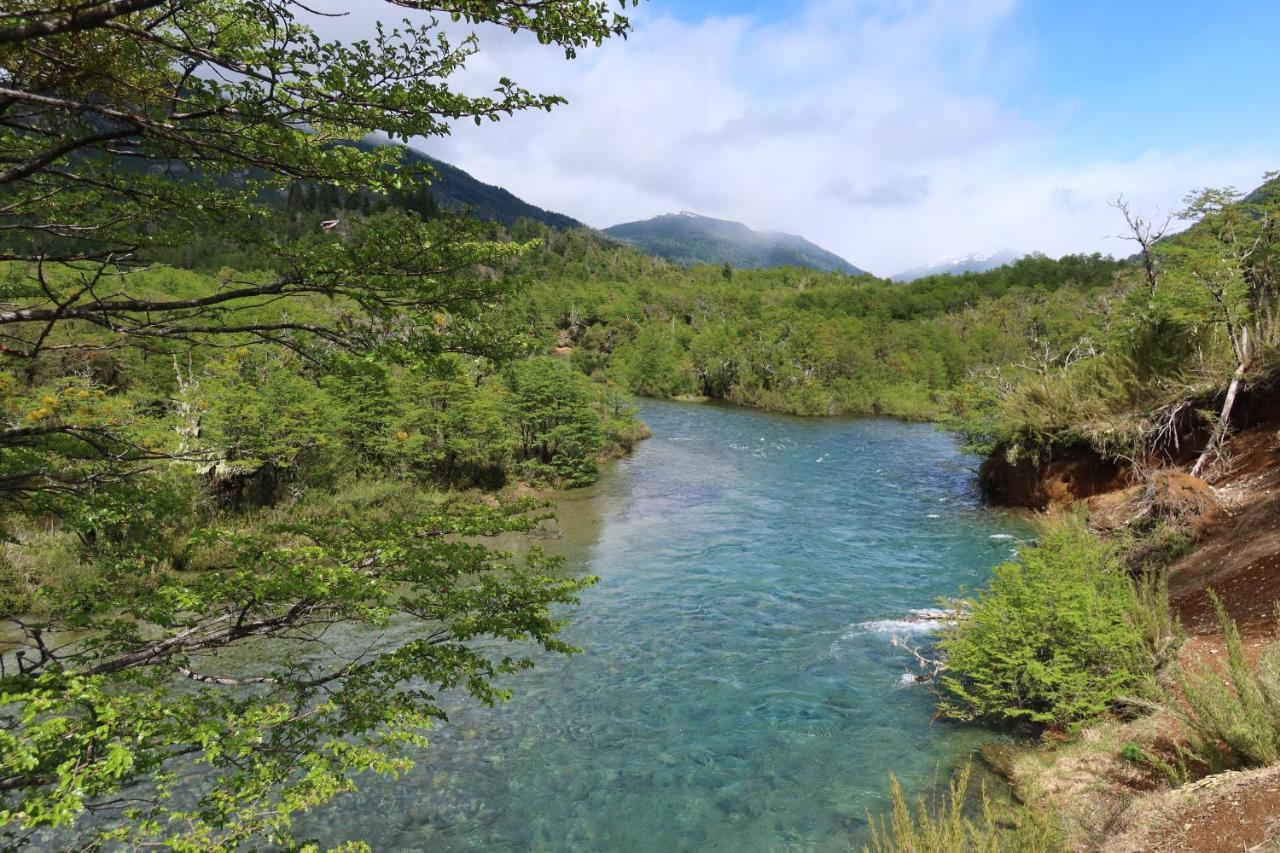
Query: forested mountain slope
x=687, y=238
x=457, y=190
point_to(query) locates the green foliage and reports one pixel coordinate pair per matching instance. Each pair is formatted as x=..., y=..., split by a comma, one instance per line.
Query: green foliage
x=1175, y=769
x=260, y=409
x=652, y=364
x=1171, y=344
x=948, y=826
x=797, y=340
x=1051, y=640
x=560, y=432
x=93, y=721
x=1233, y=721
x=1154, y=619
x=194, y=653
x=973, y=412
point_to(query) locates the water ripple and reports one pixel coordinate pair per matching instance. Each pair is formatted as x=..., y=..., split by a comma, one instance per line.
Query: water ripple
x=738, y=690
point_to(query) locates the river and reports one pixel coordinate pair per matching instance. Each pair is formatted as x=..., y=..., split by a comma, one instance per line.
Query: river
x=738, y=690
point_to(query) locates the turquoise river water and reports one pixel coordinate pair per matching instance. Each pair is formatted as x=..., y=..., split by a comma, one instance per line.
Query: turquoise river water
x=738, y=690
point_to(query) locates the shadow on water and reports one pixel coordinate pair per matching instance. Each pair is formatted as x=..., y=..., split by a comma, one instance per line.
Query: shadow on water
x=738, y=690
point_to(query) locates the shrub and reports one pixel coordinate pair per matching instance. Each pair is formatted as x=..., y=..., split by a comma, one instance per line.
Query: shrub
x=1176, y=769
x=1161, y=543
x=1051, y=641
x=1154, y=619
x=1233, y=718
x=946, y=828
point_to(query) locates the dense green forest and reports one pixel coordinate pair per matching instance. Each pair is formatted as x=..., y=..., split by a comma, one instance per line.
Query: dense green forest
x=802, y=341
x=259, y=383
x=315, y=435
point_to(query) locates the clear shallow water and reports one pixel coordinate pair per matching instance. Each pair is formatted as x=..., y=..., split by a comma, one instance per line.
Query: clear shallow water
x=738, y=690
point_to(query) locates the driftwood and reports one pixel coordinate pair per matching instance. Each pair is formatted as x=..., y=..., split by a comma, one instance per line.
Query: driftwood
x=931, y=666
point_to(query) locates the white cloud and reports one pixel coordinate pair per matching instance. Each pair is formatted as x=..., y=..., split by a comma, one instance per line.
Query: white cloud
x=869, y=126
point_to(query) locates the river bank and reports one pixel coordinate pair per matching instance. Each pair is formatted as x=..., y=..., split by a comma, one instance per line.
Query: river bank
x=1104, y=800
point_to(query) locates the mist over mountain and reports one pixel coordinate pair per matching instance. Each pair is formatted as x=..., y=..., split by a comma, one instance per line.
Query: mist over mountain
x=976, y=262
x=689, y=238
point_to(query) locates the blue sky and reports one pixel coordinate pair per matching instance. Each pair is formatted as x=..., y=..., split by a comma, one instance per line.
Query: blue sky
x=894, y=132
x=1176, y=74
x=1127, y=73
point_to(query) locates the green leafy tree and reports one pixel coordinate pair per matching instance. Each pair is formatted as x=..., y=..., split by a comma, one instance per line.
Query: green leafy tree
x=652, y=364
x=560, y=430
x=197, y=698
x=450, y=427
x=258, y=412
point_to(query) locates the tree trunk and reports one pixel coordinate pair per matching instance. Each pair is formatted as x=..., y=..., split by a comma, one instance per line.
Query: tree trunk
x=1224, y=419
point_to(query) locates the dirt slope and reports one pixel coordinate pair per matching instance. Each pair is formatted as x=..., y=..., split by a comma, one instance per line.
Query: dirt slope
x=1106, y=803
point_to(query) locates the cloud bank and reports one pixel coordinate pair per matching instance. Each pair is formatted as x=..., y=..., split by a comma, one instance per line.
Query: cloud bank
x=877, y=129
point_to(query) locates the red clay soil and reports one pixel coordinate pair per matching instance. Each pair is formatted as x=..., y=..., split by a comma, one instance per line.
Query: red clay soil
x=1240, y=561
x=1240, y=557
x=1239, y=817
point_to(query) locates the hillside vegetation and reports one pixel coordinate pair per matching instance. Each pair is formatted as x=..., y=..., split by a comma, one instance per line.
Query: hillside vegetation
x=802, y=341
x=688, y=239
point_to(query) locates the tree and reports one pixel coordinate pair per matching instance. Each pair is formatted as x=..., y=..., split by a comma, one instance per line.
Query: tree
x=1147, y=233
x=131, y=128
x=560, y=431
x=1222, y=279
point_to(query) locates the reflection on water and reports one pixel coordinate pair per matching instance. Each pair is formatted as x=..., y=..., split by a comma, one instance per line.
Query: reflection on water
x=737, y=690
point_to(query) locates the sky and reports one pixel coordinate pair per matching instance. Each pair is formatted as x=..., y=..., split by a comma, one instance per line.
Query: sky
x=892, y=132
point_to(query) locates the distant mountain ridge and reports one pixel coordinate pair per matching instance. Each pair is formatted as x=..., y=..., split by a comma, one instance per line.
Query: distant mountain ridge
x=689, y=238
x=976, y=262
x=456, y=189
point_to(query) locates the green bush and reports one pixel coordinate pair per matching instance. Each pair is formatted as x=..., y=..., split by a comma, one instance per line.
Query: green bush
x=1155, y=620
x=1232, y=717
x=1051, y=641
x=948, y=828
x=560, y=433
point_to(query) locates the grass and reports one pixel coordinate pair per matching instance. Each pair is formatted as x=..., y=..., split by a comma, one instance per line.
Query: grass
x=40, y=565
x=949, y=826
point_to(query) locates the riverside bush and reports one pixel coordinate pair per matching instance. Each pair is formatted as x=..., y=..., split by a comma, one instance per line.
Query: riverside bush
x=1051, y=641
x=1232, y=721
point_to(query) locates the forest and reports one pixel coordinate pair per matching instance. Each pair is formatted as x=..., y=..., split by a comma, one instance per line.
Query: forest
x=258, y=385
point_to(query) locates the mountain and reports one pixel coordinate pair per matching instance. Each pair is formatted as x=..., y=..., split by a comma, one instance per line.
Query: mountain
x=977, y=262
x=455, y=189
x=687, y=238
